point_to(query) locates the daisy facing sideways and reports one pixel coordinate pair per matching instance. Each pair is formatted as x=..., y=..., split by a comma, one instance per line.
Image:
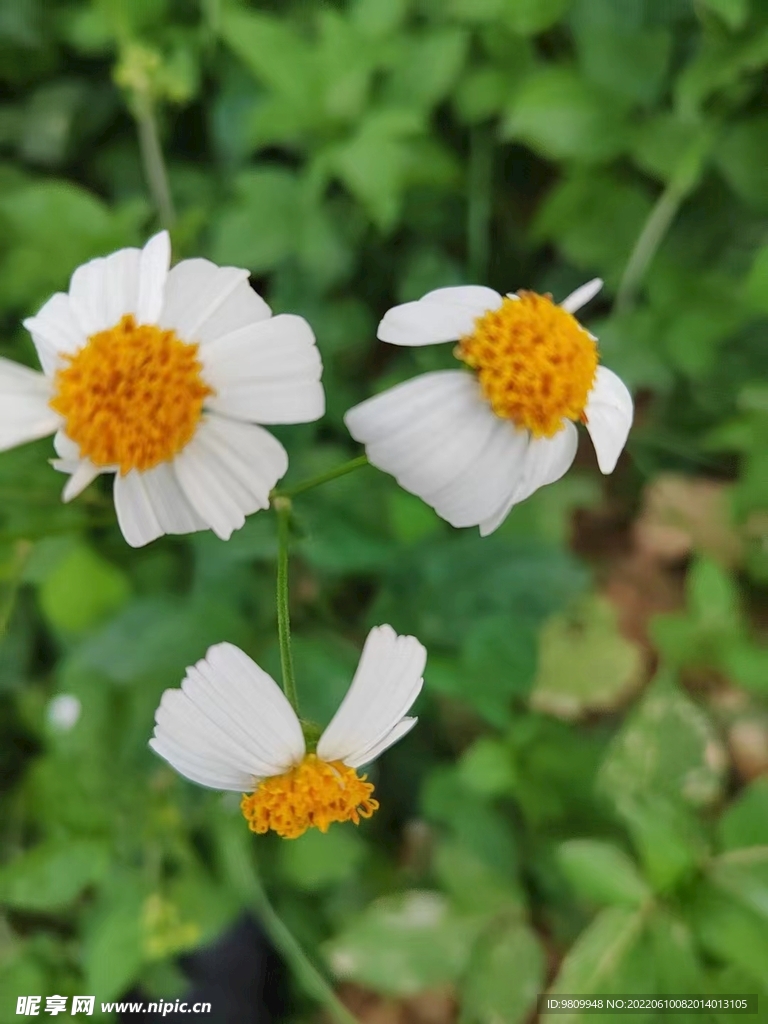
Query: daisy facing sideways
x=230, y=727
x=474, y=442
x=160, y=377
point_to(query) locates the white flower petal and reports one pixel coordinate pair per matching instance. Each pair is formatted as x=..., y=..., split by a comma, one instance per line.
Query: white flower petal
x=55, y=332
x=82, y=474
x=609, y=415
x=152, y=503
x=153, y=267
x=582, y=295
x=25, y=414
x=441, y=315
x=229, y=724
x=441, y=440
x=227, y=471
x=402, y=728
x=546, y=460
x=387, y=682
x=203, y=302
x=266, y=372
x=104, y=290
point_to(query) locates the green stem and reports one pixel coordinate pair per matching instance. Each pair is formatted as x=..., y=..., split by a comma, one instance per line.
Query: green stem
x=322, y=478
x=239, y=868
x=660, y=219
x=479, y=203
x=282, y=506
x=153, y=160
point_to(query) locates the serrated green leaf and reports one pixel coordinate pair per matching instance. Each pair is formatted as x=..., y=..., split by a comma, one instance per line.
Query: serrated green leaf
x=585, y=664
x=405, y=944
x=52, y=875
x=504, y=977
x=602, y=873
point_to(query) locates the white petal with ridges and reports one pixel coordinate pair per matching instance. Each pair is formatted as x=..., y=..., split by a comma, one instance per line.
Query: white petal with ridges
x=104, y=290
x=25, y=414
x=441, y=440
x=229, y=724
x=203, y=302
x=55, y=332
x=81, y=477
x=227, y=471
x=546, y=460
x=609, y=415
x=266, y=372
x=582, y=295
x=152, y=275
x=444, y=314
x=387, y=682
x=150, y=504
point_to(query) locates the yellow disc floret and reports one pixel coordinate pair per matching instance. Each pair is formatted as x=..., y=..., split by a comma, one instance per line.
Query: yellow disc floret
x=132, y=397
x=535, y=362
x=313, y=793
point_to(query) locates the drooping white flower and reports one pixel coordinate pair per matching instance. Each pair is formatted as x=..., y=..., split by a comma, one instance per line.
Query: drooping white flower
x=63, y=712
x=474, y=444
x=161, y=377
x=230, y=727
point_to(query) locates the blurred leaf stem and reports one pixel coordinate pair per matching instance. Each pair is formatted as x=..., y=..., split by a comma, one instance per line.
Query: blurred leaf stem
x=322, y=478
x=152, y=158
x=238, y=866
x=282, y=506
x=681, y=184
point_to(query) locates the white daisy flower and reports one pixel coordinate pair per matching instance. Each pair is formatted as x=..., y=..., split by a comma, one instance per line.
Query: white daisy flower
x=230, y=727
x=160, y=376
x=473, y=444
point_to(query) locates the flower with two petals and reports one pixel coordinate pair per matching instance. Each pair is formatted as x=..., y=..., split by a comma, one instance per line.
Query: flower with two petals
x=166, y=378
x=476, y=441
x=231, y=727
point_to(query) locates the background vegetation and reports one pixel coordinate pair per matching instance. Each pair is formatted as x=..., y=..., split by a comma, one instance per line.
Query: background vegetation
x=584, y=803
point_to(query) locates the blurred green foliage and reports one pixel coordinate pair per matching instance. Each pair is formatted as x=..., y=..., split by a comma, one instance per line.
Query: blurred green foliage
x=553, y=820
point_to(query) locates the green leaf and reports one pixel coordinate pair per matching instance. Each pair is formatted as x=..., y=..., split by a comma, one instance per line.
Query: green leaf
x=402, y=945
x=668, y=838
x=52, y=875
x=378, y=18
x=742, y=157
x=730, y=932
x=375, y=163
x=259, y=228
x=744, y=875
x=113, y=940
x=562, y=116
x=486, y=768
x=498, y=663
x=505, y=974
x=473, y=885
x=440, y=589
x=631, y=63
x=585, y=664
x=528, y=17
x=276, y=53
x=315, y=861
x=69, y=225
x=734, y=13
x=668, y=746
x=745, y=822
x=594, y=219
x=596, y=957
x=82, y=590
x=426, y=68
x=602, y=873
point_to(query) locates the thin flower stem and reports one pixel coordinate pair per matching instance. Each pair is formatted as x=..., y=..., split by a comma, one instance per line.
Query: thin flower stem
x=322, y=478
x=282, y=506
x=238, y=865
x=153, y=160
x=661, y=217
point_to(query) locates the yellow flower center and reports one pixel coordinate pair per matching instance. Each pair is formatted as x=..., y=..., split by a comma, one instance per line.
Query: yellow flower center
x=132, y=396
x=535, y=362
x=313, y=793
